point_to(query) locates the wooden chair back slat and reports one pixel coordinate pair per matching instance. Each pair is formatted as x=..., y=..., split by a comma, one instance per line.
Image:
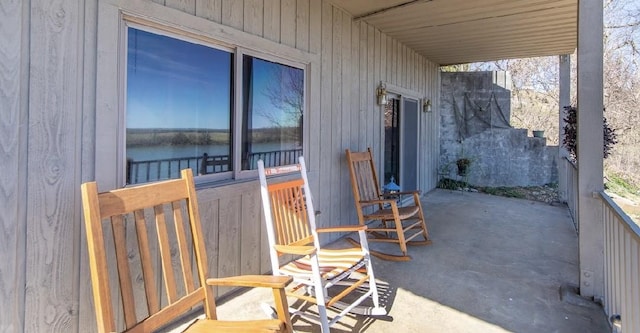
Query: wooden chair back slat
x=98, y=258
x=200, y=253
x=136, y=198
x=124, y=274
x=290, y=213
x=363, y=176
x=365, y=186
x=150, y=289
x=165, y=255
x=183, y=247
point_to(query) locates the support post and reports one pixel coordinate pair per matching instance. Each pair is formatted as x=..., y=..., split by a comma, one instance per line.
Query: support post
x=589, y=147
x=564, y=71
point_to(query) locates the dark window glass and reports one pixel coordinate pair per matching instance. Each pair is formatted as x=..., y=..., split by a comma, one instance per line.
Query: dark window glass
x=179, y=108
x=392, y=141
x=273, y=99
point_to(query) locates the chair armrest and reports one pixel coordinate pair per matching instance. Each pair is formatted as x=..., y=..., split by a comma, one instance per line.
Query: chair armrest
x=343, y=228
x=377, y=201
x=267, y=281
x=297, y=250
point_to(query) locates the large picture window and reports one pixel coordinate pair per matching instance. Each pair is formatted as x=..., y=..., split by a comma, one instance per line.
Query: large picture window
x=182, y=112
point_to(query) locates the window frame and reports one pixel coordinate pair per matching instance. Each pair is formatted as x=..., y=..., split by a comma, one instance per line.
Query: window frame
x=115, y=17
x=237, y=148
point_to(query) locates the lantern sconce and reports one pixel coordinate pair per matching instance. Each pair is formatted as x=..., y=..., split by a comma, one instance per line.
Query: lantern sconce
x=381, y=94
x=426, y=106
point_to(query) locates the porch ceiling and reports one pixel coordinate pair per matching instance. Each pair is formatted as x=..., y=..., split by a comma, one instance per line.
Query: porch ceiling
x=463, y=31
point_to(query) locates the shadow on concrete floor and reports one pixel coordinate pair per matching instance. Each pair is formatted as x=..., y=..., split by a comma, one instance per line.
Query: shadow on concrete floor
x=496, y=265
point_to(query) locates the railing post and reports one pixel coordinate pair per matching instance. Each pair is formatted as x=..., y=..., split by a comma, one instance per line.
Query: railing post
x=589, y=146
x=564, y=100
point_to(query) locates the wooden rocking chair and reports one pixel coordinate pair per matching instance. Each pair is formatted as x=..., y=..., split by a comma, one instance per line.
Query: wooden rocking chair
x=397, y=224
x=317, y=272
x=118, y=218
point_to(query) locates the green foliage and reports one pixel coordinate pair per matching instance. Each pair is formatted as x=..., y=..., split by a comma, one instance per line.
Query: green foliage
x=456, y=68
x=620, y=186
x=450, y=184
x=180, y=139
x=510, y=192
x=204, y=139
x=167, y=137
x=570, y=140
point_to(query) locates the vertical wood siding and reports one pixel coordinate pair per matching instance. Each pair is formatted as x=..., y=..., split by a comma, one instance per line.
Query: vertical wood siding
x=49, y=77
x=13, y=146
x=53, y=168
x=86, y=314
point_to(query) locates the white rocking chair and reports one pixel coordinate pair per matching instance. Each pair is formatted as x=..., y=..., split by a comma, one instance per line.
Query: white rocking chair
x=291, y=229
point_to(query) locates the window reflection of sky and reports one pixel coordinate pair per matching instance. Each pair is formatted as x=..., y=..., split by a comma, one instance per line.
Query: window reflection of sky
x=270, y=86
x=176, y=84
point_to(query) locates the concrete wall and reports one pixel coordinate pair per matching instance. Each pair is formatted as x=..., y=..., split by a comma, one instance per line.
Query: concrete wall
x=475, y=124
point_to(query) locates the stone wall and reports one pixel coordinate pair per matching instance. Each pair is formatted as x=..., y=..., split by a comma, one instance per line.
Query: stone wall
x=475, y=124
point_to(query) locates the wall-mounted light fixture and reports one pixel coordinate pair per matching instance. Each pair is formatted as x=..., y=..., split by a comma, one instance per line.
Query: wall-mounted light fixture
x=381, y=94
x=426, y=106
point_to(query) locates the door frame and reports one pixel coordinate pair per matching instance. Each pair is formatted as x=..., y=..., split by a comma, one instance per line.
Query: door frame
x=394, y=91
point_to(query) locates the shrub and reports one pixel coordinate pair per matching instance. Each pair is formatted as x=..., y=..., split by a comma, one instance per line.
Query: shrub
x=570, y=139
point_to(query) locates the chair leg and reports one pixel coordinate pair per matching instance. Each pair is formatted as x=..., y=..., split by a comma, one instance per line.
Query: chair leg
x=425, y=232
x=282, y=308
x=401, y=239
x=320, y=295
x=324, y=319
x=398, y=222
x=377, y=310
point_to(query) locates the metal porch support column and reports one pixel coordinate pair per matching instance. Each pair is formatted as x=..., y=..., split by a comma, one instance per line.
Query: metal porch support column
x=564, y=71
x=589, y=150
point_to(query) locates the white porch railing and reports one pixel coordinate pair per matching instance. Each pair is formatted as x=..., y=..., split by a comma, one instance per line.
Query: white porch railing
x=622, y=265
x=572, y=189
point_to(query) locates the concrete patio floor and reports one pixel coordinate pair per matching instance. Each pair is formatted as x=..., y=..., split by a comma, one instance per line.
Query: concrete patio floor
x=496, y=265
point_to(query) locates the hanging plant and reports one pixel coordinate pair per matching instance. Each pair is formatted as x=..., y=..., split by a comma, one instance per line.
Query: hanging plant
x=570, y=139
